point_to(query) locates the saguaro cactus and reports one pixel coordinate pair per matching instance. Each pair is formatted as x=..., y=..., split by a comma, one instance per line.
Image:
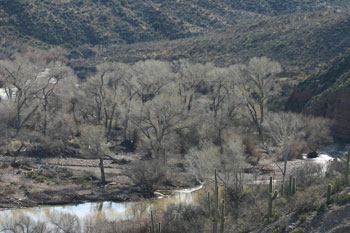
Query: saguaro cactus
x=282, y=189
x=329, y=193
x=292, y=185
x=217, y=217
x=272, y=197
x=155, y=228
x=347, y=172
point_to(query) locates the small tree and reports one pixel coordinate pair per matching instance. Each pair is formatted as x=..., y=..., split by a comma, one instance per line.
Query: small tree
x=317, y=132
x=94, y=144
x=231, y=173
x=147, y=175
x=284, y=131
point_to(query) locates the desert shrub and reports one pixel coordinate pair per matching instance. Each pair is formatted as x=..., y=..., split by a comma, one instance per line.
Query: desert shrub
x=184, y=218
x=147, y=175
x=341, y=198
x=298, y=230
x=280, y=227
x=252, y=217
x=308, y=200
x=322, y=207
x=308, y=174
x=302, y=217
x=338, y=183
x=335, y=167
x=251, y=146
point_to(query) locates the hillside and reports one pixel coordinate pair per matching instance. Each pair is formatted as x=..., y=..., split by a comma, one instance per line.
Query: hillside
x=71, y=23
x=327, y=94
x=299, y=41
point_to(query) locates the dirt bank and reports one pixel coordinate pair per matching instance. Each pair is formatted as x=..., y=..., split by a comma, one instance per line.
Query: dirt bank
x=52, y=181
x=31, y=181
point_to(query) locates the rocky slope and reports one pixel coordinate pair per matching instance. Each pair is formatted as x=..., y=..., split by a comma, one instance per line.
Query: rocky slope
x=327, y=94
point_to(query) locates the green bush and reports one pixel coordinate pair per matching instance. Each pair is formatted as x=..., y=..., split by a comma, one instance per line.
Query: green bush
x=280, y=227
x=298, y=230
x=341, y=199
x=302, y=217
x=322, y=207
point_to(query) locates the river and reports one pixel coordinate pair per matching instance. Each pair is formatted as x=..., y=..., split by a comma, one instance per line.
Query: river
x=135, y=210
x=110, y=210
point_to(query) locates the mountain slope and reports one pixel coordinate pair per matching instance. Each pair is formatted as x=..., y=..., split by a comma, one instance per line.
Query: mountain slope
x=72, y=23
x=299, y=41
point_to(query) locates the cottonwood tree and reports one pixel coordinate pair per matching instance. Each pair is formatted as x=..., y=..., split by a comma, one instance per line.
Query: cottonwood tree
x=94, y=145
x=160, y=120
x=285, y=131
x=150, y=77
x=21, y=85
x=258, y=85
x=48, y=80
x=109, y=89
x=224, y=102
x=7, y=120
x=190, y=78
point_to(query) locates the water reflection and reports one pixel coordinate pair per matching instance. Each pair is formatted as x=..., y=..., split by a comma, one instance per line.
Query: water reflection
x=110, y=210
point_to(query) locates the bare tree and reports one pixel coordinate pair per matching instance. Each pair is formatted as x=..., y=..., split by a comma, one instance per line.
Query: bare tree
x=21, y=86
x=231, y=173
x=318, y=132
x=109, y=89
x=150, y=77
x=94, y=142
x=258, y=86
x=48, y=81
x=224, y=102
x=203, y=161
x=160, y=119
x=147, y=175
x=190, y=78
x=285, y=130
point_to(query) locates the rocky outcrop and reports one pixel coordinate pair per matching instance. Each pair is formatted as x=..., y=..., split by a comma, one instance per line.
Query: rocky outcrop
x=327, y=94
x=335, y=106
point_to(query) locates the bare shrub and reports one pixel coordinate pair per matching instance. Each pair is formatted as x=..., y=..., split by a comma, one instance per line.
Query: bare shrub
x=308, y=200
x=103, y=225
x=64, y=223
x=336, y=167
x=183, y=218
x=22, y=224
x=308, y=174
x=147, y=175
x=251, y=146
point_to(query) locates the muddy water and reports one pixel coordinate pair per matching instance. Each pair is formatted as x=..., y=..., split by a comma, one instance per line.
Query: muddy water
x=111, y=210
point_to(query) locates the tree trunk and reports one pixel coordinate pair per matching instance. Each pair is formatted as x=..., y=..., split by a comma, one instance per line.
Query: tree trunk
x=103, y=179
x=45, y=120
